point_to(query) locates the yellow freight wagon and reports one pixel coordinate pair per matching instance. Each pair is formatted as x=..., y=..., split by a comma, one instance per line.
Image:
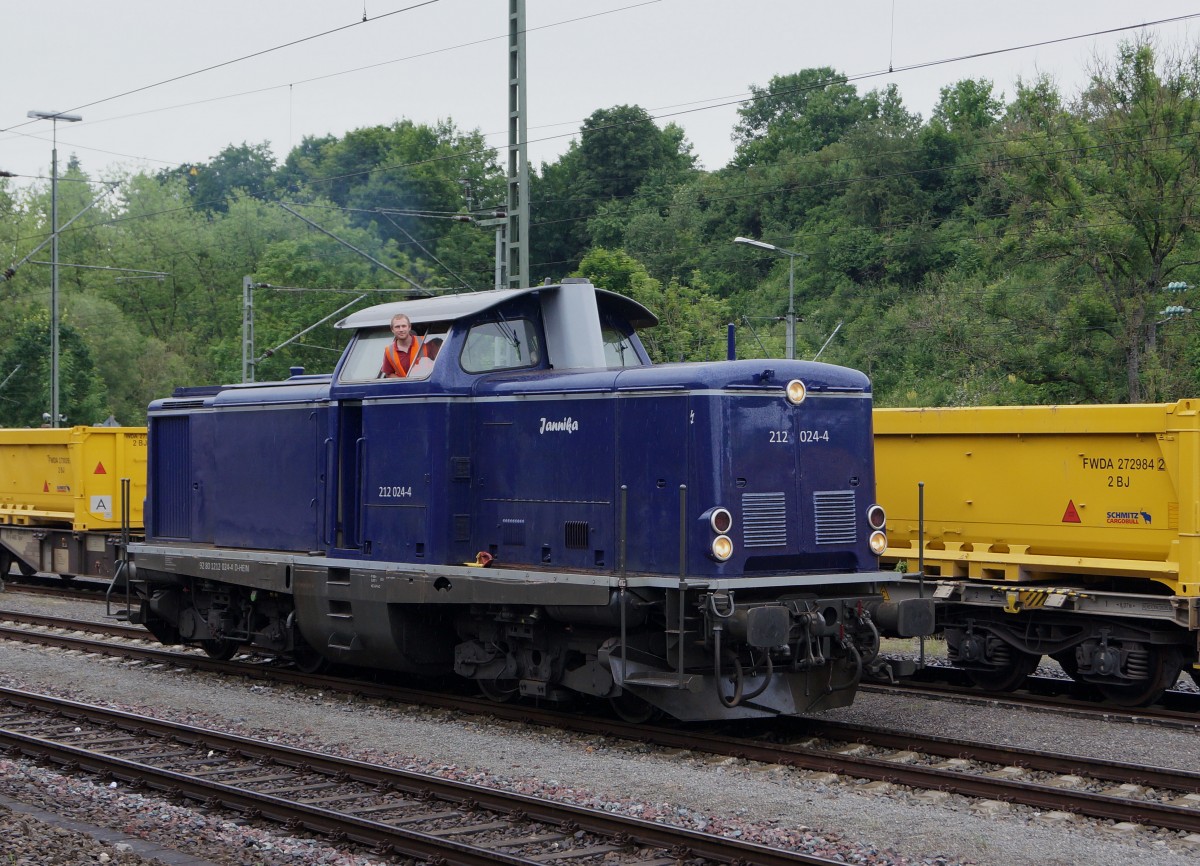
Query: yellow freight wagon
x=1070, y=531
x=60, y=496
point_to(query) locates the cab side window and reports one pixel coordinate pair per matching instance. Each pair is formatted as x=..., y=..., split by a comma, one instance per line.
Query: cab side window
x=364, y=360
x=501, y=345
x=366, y=355
x=618, y=349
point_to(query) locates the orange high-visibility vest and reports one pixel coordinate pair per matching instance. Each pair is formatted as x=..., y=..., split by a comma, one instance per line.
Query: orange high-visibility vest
x=402, y=361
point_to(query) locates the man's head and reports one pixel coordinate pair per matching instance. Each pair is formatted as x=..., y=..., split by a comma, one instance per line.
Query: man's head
x=401, y=326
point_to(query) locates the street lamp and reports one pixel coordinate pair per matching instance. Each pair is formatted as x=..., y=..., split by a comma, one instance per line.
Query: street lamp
x=791, y=310
x=54, y=117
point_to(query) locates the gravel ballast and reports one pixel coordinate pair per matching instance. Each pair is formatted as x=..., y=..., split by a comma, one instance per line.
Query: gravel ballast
x=774, y=805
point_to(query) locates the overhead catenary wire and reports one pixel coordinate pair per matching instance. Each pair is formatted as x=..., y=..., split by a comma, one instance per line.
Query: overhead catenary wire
x=234, y=60
x=423, y=249
x=725, y=101
x=753, y=97
x=10, y=271
x=887, y=227
x=417, y=286
x=763, y=95
x=290, y=85
x=269, y=352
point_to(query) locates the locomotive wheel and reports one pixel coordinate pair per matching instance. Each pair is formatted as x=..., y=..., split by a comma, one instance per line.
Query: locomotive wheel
x=632, y=709
x=1009, y=677
x=1165, y=664
x=163, y=632
x=500, y=691
x=222, y=648
x=307, y=660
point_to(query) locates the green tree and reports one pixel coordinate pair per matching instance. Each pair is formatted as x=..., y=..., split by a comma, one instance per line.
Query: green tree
x=134, y=367
x=25, y=362
x=796, y=114
x=245, y=167
x=968, y=105
x=1108, y=195
x=621, y=148
x=407, y=183
x=558, y=212
x=621, y=151
x=691, y=320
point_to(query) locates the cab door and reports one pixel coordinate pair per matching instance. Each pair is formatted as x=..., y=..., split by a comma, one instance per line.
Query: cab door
x=345, y=518
x=396, y=454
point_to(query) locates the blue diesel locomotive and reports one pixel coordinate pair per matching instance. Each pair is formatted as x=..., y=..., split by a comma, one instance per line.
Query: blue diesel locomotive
x=534, y=507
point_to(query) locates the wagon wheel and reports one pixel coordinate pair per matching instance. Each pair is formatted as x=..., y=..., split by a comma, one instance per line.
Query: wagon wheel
x=222, y=648
x=1165, y=664
x=1009, y=676
x=67, y=578
x=500, y=691
x=1067, y=661
x=1080, y=688
x=5, y=562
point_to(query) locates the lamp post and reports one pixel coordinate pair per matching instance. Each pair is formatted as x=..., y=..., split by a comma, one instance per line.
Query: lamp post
x=791, y=310
x=54, y=117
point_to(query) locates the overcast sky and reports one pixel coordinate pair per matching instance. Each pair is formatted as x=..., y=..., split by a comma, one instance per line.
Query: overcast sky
x=112, y=62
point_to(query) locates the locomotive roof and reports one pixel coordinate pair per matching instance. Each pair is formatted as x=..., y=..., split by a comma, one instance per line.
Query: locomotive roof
x=450, y=307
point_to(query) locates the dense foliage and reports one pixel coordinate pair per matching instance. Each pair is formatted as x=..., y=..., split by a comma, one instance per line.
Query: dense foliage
x=1004, y=250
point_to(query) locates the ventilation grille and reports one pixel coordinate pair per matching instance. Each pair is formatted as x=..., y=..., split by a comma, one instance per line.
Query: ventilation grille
x=764, y=520
x=183, y=404
x=460, y=468
x=834, y=516
x=462, y=527
x=512, y=531
x=576, y=534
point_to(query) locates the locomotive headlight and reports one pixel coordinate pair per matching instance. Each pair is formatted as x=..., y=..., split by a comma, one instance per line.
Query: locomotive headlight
x=722, y=548
x=878, y=543
x=796, y=392
x=876, y=517
x=720, y=520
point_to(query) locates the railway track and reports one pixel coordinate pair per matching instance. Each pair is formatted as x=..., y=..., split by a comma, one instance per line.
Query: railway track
x=1058, y=693
x=1177, y=709
x=55, y=586
x=392, y=811
x=1100, y=789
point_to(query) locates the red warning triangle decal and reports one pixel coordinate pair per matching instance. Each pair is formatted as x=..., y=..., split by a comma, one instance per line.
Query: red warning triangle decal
x=1071, y=515
x=46, y=488
x=99, y=469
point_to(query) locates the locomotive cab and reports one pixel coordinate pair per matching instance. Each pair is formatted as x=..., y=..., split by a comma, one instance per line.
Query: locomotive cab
x=535, y=507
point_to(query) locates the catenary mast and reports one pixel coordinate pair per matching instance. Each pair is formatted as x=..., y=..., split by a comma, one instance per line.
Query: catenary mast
x=517, y=253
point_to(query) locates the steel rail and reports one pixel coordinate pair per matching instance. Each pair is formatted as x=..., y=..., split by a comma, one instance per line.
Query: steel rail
x=1095, y=805
x=1176, y=708
x=640, y=831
